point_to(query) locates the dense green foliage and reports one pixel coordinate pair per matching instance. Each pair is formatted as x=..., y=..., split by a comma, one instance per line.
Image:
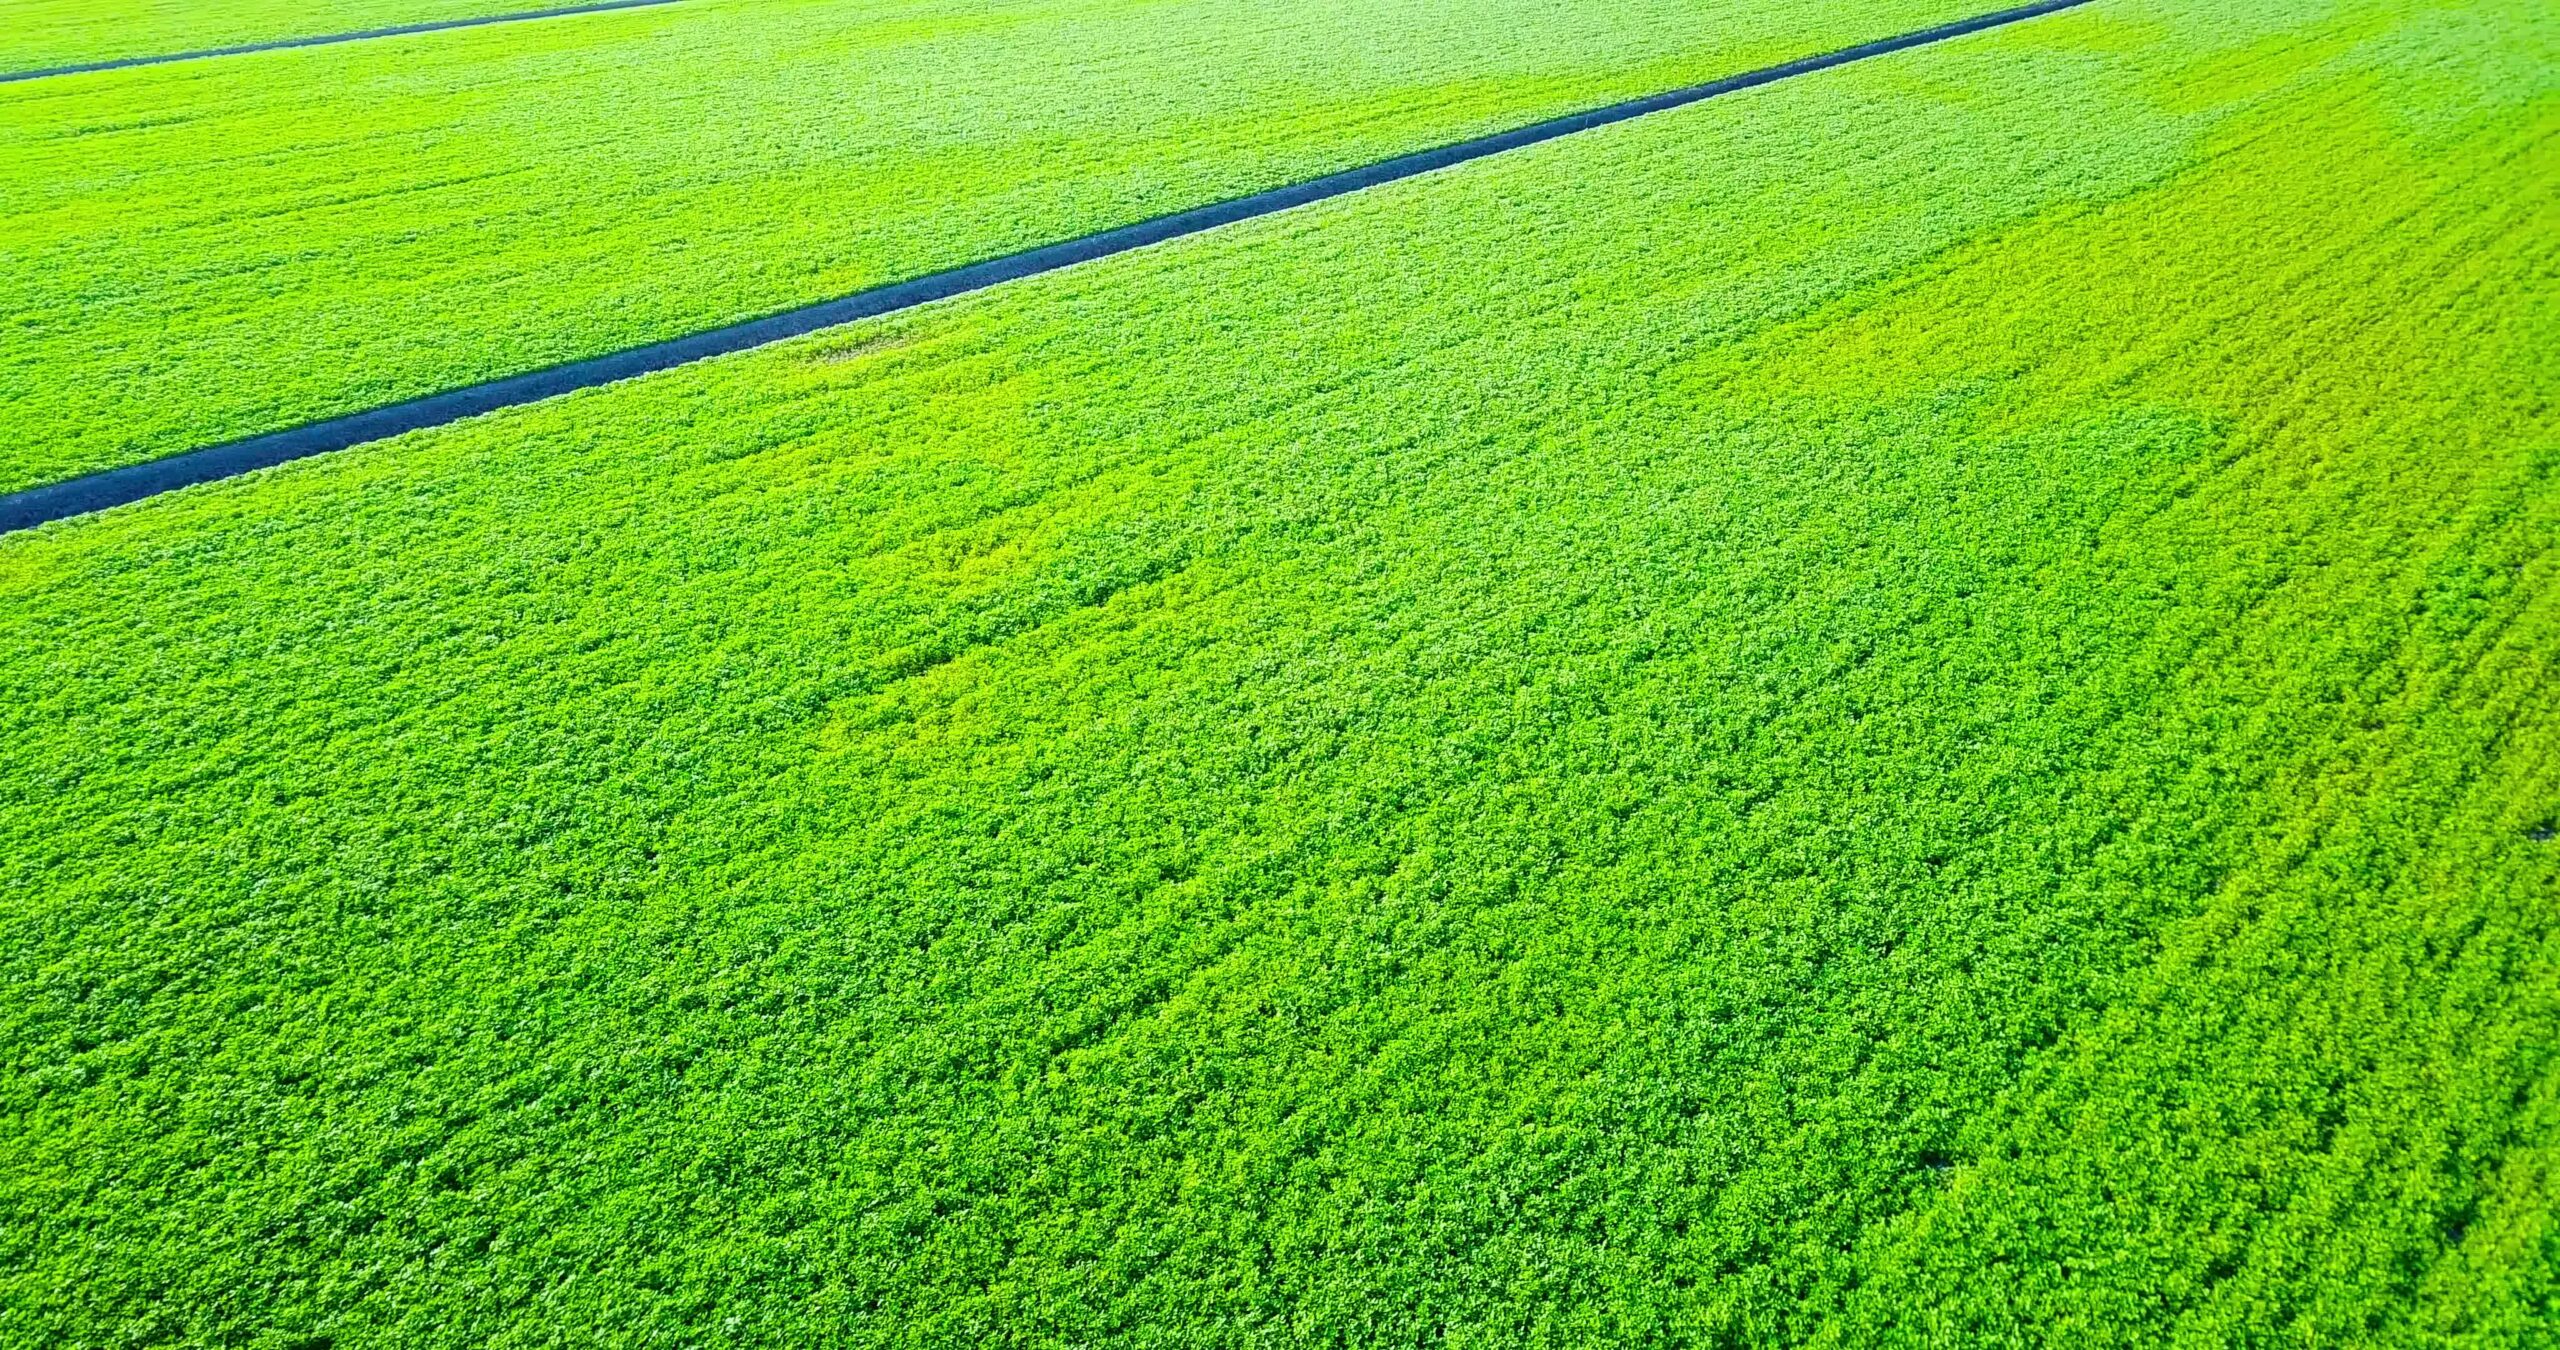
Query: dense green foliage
x=212, y=251
x=1913, y=707
x=42, y=34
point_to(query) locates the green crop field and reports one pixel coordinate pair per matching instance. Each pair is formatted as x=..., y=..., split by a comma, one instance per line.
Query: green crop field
x=1920, y=706
x=206, y=251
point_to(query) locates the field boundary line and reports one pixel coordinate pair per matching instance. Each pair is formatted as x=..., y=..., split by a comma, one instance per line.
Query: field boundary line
x=326, y=39
x=133, y=482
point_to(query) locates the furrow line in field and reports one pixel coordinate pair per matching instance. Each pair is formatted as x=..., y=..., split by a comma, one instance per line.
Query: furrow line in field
x=130, y=483
x=325, y=39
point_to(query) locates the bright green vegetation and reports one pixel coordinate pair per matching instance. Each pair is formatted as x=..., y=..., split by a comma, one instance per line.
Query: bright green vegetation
x=1913, y=707
x=41, y=34
x=203, y=253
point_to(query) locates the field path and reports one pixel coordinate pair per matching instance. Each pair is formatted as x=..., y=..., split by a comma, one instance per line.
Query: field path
x=133, y=482
x=325, y=39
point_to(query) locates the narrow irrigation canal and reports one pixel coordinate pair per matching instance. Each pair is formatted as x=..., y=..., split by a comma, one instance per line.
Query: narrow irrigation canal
x=130, y=483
